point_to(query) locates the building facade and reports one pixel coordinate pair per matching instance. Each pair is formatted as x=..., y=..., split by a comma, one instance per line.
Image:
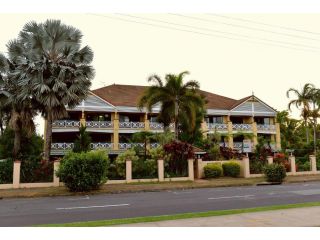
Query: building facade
x=111, y=116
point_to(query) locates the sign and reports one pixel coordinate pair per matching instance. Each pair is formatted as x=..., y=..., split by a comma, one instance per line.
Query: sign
x=247, y=146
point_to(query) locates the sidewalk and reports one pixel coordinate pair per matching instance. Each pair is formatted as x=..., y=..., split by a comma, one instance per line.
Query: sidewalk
x=296, y=217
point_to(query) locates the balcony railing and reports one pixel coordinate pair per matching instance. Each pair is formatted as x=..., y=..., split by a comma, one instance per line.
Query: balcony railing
x=154, y=145
x=62, y=146
x=264, y=128
x=123, y=146
x=160, y=126
x=65, y=124
x=134, y=125
x=99, y=124
x=104, y=145
x=241, y=127
x=238, y=146
x=217, y=126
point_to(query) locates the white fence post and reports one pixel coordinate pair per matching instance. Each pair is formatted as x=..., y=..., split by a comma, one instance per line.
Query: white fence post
x=270, y=159
x=199, y=168
x=16, y=174
x=190, y=169
x=313, y=163
x=160, y=170
x=56, y=180
x=246, y=167
x=292, y=160
x=128, y=170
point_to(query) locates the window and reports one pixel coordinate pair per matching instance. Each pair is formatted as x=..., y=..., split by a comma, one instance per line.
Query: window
x=266, y=121
x=217, y=119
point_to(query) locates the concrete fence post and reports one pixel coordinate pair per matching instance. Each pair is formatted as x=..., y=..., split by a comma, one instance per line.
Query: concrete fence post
x=292, y=160
x=270, y=159
x=16, y=174
x=199, y=168
x=246, y=167
x=190, y=169
x=313, y=163
x=56, y=180
x=128, y=170
x=160, y=170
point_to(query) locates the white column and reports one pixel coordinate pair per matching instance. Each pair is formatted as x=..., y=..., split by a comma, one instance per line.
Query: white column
x=16, y=174
x=128, y=170
x=292, y=160
x=56, y=180
x=160, y=170
x=246, y=167
x=313, y=163
x=270, y=159
x=190, y=169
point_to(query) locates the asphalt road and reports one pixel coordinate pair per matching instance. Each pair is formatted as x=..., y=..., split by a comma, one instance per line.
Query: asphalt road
x=31, y=211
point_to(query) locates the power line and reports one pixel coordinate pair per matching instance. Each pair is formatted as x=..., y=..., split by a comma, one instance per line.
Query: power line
x=205, y=34
x=221, y=32
x=265, y=24
x=245, y=27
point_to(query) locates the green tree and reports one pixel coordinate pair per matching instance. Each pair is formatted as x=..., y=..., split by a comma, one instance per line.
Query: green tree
x=302, y=101
x=179, y=101
x=83, y=141
x=315, y=114
x=143, y=137
x=54, y=70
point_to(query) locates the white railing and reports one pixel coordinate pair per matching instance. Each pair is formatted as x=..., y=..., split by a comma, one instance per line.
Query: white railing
x=237, y=146
x=65, y=124
x=266, y=128
x=156, y=126
x=98, y=145
x=242, y=127
x=217, y=126
x=154, y=145
x=99, y=124
x=130, y=145
x=131, y=124
x=61, y=146
x=223, y=144
x=171, y=126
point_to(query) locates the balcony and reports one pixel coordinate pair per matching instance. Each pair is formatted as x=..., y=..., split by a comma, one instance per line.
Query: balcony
x=62, y=146
x=242, y=127
x=124, y=146
x=99, y=124
x=219, y=127
x=66, y=124
x=264, y=128
x=238, y=146
x=131, y=125
x=154, y=145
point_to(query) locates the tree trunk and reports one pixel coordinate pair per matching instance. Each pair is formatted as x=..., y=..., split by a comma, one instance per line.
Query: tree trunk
x=15, y=124
x=176, y=114
x=307, y=130
x=315, y=136
x=48, y=138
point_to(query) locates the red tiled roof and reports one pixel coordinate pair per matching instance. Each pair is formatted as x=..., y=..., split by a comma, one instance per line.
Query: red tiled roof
x=128, y=95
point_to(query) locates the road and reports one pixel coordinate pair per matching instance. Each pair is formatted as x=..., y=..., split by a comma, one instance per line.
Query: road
x=31, y=211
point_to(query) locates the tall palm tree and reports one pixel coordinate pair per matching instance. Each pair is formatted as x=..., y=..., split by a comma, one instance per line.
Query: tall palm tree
x=303, y=101
x=18, y=115
x=315, y=114
x=55, y=71
x=178, y=100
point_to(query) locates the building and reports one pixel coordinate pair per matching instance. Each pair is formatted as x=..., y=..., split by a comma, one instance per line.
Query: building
x=111, y=116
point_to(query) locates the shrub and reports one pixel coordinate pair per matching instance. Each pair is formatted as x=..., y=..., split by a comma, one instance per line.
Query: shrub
x=35, y=170
x=256, y=166
x=231, y=169
x=83, y=171
x=213, y=170
x=275, y=172
x=6, y=171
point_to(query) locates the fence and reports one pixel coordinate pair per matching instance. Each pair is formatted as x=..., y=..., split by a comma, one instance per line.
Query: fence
x=56, y=181
x=245, y=167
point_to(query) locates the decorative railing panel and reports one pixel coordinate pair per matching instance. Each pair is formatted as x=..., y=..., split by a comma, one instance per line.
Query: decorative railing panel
x=98, y=145
x=99, y=124
x=131, y=125
x=156, y=126
x=241, y=127
x=237, y=145
x=130, y=145
x=62, y=146
x=65, y=124
x=154, y=145
x=217, y=126
x=266, y=128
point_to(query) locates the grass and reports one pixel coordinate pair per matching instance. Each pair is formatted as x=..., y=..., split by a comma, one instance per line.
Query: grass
x=112, y=222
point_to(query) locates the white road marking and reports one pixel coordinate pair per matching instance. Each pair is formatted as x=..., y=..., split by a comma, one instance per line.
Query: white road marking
x=244, y=196
x=103, y=206
x=177, y=193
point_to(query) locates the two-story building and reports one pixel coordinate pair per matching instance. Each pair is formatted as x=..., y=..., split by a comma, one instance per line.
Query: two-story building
x=112, y=116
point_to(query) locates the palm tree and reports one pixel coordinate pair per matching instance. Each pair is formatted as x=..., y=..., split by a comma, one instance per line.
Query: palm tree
x=18, y=115
x=178, y=100
x=315, y=114
x=54, y=70
x=303, y=100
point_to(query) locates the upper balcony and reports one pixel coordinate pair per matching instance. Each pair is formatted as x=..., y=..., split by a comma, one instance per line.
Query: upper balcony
x=99, y=124
x=241, y=127
x=66, y=124
x=266, y=128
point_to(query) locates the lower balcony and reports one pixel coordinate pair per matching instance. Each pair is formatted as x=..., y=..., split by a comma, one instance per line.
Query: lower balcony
x=124, y=146
x=159, y=126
